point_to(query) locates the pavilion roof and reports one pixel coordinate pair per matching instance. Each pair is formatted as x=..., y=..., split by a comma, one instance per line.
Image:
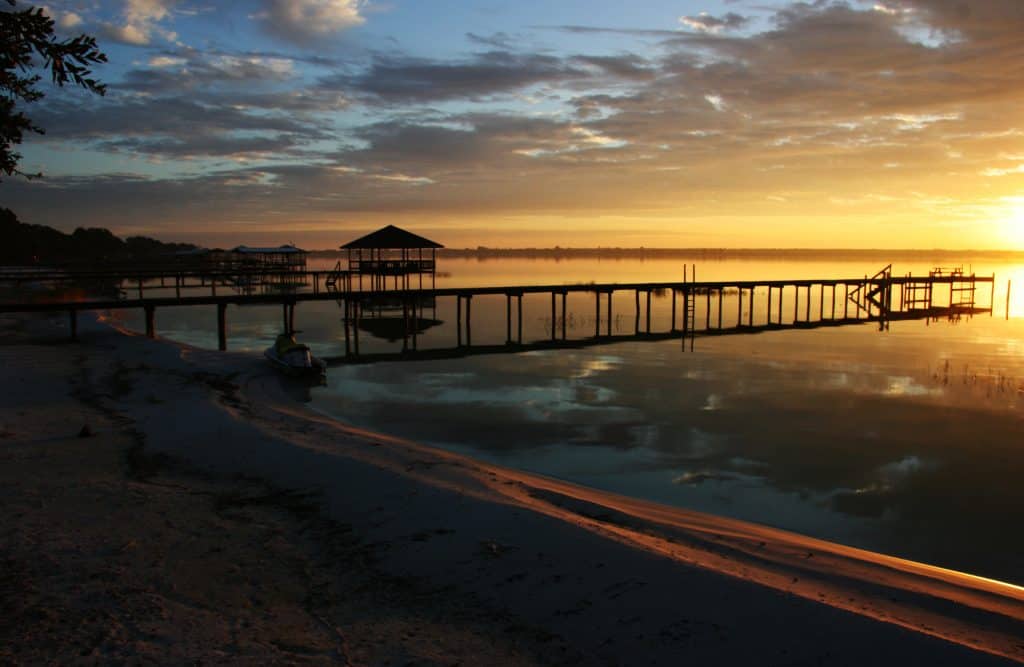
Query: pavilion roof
x=391, y=237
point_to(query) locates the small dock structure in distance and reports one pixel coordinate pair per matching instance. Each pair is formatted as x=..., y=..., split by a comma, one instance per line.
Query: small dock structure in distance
x=392, y=252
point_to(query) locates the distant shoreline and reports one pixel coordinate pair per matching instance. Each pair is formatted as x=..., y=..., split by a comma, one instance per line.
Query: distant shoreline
x=781, y=254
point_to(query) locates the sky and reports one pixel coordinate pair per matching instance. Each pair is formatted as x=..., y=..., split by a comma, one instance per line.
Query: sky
x=529, y=123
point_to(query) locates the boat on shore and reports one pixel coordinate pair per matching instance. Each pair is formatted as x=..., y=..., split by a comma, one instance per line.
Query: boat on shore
x=295, y=359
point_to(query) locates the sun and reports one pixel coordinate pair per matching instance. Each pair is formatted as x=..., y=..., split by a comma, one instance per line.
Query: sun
x=1013, y=227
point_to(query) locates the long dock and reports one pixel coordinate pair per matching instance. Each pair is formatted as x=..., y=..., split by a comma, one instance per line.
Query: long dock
x=799, y=303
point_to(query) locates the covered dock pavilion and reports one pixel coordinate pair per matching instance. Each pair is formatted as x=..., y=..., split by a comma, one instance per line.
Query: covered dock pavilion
x=392, y=251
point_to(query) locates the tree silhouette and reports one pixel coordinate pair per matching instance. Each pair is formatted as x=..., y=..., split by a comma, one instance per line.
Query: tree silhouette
x=26, y=37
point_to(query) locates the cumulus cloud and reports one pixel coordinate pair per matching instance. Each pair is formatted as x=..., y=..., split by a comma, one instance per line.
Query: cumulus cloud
x=140, y=24
x=705, y=22
x=303, y=21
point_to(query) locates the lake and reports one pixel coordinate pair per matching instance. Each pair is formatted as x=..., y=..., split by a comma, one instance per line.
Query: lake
x=905, y=441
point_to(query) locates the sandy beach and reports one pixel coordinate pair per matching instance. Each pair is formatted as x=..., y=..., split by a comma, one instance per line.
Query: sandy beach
x=167, y=504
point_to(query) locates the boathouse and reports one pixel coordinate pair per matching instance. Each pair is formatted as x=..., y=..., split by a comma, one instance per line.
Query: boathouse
x=281, y=258
x=395, y=252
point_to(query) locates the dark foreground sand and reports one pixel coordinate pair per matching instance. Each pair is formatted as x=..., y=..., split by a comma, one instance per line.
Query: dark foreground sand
x=210, y=518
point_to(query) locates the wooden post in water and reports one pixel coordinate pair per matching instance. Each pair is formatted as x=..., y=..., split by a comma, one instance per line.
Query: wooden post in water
x=222, y=327
x=73, y=323
x=636, y=320
x=554, y=321
x=469, y=320
x=508, y=318
x=150, y=321
x=648, y=311
x=739, y=306
x=610, y=312
x=673, y=327
x=565, y=296
x=707, y=311
x=458, y=321
x=291, y=318
x=1007, y=299
x=284, y=311
x=597, y=314
x=519, y=318
x=770, y=290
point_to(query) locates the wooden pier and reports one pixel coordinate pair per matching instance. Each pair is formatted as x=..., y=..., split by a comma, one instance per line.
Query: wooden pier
x=697, y=308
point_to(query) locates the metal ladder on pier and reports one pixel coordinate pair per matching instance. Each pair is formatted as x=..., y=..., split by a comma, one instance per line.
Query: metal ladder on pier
x=336, y=275
x=689, y=307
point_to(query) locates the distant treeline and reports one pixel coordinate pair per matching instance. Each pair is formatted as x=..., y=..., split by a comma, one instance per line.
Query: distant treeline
x=782, y=254
x=35, y=244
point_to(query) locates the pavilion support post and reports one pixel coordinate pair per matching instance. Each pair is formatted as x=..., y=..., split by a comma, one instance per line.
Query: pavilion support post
x=405, y=325
x=177, y=286
x=415, y=327
x=782, y=289
x=73, y=324
x=345, y=321
x=821, y=303
x=222, y=327
x=808, y=313
x=150, y=321
x=750, y=316
x=796, y=304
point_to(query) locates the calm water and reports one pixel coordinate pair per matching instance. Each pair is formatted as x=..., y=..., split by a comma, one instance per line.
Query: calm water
x=906, y=441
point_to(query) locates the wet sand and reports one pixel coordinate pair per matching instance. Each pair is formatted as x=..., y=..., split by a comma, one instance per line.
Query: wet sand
x=213, y=517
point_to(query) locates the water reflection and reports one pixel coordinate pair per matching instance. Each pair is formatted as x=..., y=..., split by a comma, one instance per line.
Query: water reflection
x=904, y=441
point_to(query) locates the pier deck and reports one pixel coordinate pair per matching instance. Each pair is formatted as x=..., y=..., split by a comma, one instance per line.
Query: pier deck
x=787, y=304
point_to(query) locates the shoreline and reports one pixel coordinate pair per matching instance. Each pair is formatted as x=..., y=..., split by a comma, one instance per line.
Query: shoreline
x=617, y=579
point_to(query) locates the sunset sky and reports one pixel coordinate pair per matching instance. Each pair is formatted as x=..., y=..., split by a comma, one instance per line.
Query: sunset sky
x=538, y=123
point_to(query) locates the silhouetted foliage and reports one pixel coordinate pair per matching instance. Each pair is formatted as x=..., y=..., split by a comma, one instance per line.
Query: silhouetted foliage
x=34, y=244
x=26, y=37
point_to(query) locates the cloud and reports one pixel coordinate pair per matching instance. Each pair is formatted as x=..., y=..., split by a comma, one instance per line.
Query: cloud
x=303, y=21
x=405, y=79
x=140, y=23
x=704, y=22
